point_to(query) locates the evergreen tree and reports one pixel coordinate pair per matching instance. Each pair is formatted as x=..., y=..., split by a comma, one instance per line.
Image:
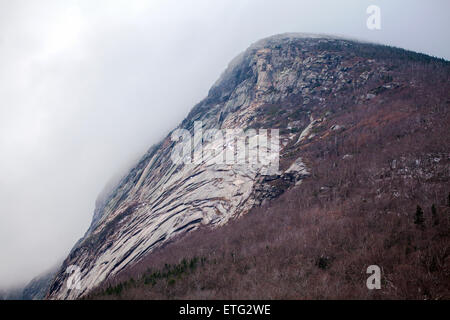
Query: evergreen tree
x=435, y=215
x=419, y=219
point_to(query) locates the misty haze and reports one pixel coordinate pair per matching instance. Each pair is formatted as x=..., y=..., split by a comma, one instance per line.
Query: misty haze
x=91, y=93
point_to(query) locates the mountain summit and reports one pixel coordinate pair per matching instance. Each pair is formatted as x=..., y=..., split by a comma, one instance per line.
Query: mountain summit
x=328, y=97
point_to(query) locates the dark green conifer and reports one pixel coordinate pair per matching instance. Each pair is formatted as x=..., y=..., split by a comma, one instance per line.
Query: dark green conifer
x=419, y=218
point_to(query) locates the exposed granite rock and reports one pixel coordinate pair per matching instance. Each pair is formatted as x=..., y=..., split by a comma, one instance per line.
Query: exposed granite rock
x=281, y=82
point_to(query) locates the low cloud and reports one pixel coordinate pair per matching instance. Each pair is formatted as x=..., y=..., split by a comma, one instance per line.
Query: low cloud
x=86, y=87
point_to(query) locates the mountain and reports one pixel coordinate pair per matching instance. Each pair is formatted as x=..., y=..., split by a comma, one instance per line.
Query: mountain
x=38, y=287
x=350, y=116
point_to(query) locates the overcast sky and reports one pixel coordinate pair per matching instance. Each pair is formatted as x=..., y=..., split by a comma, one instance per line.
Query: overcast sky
x=87, y=86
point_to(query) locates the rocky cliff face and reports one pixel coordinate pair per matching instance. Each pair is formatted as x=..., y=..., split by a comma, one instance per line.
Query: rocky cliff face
x=286, y=82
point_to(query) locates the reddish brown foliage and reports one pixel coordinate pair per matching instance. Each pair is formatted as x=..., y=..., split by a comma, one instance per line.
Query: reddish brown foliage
x=317, y=240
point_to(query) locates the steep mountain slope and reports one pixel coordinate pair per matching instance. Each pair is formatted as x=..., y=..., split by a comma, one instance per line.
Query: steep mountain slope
x=315, y=89
x=38, y=287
